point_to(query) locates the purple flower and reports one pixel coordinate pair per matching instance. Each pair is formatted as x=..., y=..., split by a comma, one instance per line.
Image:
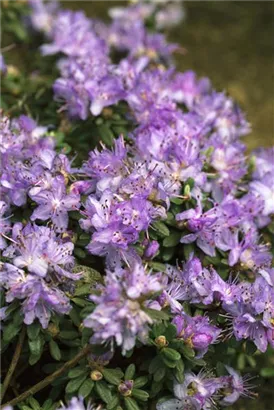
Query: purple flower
x=108, y=91
x=107, y=168
x=151, y=249
x=233, y=387
x=54, y=204
x=202, y=226
x=40, y=300
x=171, y=15
x=4, y=225
x=40, y=251
x=195, y=393
x=3, y=67
x=42, y=15
x=197, y=332
x=119, y=313
x=185, y=88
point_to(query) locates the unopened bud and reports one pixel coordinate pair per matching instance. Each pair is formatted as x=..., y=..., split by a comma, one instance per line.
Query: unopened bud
x=53, y=330
x=187, y=190
x=95, y=375
x=161, y=341
x=125, y=388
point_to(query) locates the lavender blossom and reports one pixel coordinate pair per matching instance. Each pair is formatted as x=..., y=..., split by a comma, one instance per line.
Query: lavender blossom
x=54, y=204
x=119, y=313
x=197, y=332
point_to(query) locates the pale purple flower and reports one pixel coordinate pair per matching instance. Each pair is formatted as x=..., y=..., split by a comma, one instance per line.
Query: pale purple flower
x=119, y=313
x=39, y=298
x=202, y=226
x=5, y=225
x=42, y=15
x=197, y=332
x=3, y=67
x=234, y=386
x=54, y=204
x=186, y=88
x=38, y=250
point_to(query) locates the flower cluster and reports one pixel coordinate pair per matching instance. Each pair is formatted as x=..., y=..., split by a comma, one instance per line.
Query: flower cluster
x=37, y=258
x=119, y=313
x=38, y=261
x=200, y=391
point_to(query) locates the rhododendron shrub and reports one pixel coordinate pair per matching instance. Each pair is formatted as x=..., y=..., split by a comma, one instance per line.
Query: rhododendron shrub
x=135, y=228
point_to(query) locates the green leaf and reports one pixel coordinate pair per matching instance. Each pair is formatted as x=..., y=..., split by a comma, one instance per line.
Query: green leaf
x=103, y=391
x=54, y=350
x=24, y=407
x=17, y=318
x=156, y=314
x=220, y=369
x=159, y=329
x=161, y=228
x=252, y=362
x=10, y=331
x=187, y=351
x=33, y=330
x=172, y=240
x=179, y=376
x=114, y=402
x=140, y=394
x=190, y=182
x=155, y=364
x=130, y=371
x=156, y=387
x=86, y=388
x=47, y=404
x=167, y=254
x=113, y=376
x=34, y=403
x=171, y=354
x=80, y=253
x=34, y=358
x=188, y=248
x=131, y=404
x=82, y=290
x=168, y=362
x=170, y=332
x=68, y=334
x=160, y=374
x=36, y=345
x=176, y=200
x=140, y=381
x=180, y=365
x=89, y=275
x=75, y=316
x=157, y=266
x=79, y=302
x=77, y=371
x=105, y=134
x=250, y=348
x=267, y=372
x=241, y=361
x=74, y=384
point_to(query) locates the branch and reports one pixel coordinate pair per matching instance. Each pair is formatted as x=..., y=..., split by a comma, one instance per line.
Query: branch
x=49, y=379
x=14, y=362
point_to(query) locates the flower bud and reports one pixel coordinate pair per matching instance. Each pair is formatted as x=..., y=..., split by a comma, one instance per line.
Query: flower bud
x=95, y=375
x=53, y=330
x=161, y=341
x=125, y=388
x=151, y=249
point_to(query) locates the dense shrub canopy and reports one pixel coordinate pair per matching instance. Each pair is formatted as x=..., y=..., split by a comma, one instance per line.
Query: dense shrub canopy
x=138, y=269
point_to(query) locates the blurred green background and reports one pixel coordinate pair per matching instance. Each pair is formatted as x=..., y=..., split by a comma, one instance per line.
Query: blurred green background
x=232, y=43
